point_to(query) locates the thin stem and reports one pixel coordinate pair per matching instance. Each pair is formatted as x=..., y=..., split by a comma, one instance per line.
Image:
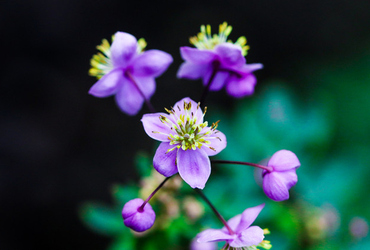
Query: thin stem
x=141, y=208
x=147, y=102
x=216, y=66
x=215, y=211
x=270, y=169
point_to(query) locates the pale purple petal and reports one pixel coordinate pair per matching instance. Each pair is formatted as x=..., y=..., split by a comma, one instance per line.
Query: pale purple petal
x=247, y=218
x=197, y=112
x=155, y=128
x=146, y=85
x=195, y=245
x=230, y=54
x=276, y=185
x=213, y=235
x=197, y=56
x=233, y=223
x=128, y=98
x=135, y=219
x=218, y=143
x=193, y=71
x=248, y=68
x=151, y=63
x=194, y=167
x=240, y=86
x=283, y=160
x=249, y=237
x=123, y=49
x=218, y=81
x=107, y=85
x=163, y=162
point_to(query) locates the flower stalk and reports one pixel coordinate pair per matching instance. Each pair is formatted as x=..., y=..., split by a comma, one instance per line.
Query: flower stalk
x=219, y=216
x=141, y=208
x=267, y=168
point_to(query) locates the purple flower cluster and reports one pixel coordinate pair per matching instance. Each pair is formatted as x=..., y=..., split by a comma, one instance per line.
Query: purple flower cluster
x=125, y=70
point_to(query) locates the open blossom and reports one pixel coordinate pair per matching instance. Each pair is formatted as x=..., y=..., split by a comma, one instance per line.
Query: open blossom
x=187, y=142
x=136, y=217
x=126, y=71
x=242, y=235
x=276, y=183
x=223, y=60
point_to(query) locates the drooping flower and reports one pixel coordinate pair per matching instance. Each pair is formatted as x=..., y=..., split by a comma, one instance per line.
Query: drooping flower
x=126, y=71
x=219, y=60
x=187, y=142
x=276, y=183
x=137, y=217
x=241, y=235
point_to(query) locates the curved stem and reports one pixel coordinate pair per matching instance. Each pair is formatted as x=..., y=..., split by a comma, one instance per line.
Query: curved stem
x=270, y=169
x=216, y=66
x=147, y=102
x=215, y=211
x=141, y=208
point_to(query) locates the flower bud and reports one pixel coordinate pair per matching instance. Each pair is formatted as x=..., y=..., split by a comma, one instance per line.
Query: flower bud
x=276, y=183
x=136, y=217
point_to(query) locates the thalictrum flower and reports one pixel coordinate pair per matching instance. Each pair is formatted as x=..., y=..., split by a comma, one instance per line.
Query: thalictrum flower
x=187, y=141
x=241, y=235
x=220, y=61
x=276, y=183
x=126, y=71
x=137, y=217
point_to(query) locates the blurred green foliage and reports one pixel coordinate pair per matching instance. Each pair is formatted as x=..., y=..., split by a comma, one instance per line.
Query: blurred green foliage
x=328, y=129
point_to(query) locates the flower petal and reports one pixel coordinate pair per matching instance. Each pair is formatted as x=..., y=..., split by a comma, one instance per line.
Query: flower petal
x=248, y=216
x=230, y=55
x=151, y=63
x=218, y=81
x=197, y=56
x=276, y=185
x=284, y=160
x=194, y=167
x=193, y=71
x=241, y=86
x=233, y=222
x=123, y=49
x=217, y=142
x=107, y=85
x=128, y=98
x=213, y=235
x=195, y=110
x=155, y=128
x=163, y=162
x=249, y=237
x=146, y=85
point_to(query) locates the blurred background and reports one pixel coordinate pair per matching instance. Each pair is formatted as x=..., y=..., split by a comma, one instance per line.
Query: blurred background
x=60, y=147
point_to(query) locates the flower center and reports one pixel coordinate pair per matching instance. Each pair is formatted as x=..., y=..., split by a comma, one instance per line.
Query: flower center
x=187, y=131
x=205, y=40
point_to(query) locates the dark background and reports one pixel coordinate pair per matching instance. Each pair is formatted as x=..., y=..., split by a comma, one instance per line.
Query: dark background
x=60, y=146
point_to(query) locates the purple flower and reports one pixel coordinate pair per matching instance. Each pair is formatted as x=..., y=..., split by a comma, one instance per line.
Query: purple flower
x=242, y=235
x=187, y=142
x=216, y=57
x=127, y=72
x=136, y=217
x=276, y=183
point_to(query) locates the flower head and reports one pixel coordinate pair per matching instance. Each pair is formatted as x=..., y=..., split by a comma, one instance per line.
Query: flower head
x=187, y=141
x=276, y=183
x=242, y=235
x=138, y=217
x=220, y=61
x=126, y=71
